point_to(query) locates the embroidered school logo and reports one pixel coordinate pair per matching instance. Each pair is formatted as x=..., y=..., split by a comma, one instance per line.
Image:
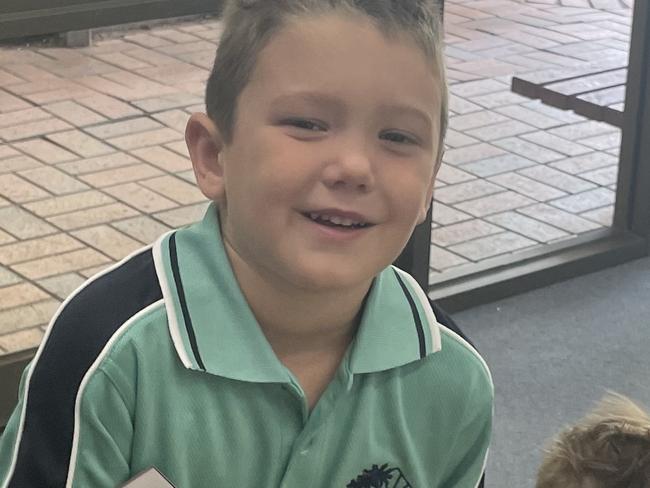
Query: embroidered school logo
x=380, y=477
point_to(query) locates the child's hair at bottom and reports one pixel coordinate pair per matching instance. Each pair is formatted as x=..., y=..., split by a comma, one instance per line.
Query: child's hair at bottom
x=608, y=448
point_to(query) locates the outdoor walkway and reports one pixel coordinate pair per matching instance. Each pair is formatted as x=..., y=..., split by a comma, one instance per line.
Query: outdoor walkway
x=93, y=164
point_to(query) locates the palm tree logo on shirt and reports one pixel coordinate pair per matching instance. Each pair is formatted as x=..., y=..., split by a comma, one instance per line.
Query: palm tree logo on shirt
x=380, y=477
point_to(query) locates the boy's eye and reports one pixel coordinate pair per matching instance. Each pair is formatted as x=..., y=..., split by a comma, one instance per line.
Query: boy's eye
x=305, y=124
x=398, y=137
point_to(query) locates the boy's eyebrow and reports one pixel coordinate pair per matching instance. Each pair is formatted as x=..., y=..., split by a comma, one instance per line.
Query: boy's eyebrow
x=338, y=104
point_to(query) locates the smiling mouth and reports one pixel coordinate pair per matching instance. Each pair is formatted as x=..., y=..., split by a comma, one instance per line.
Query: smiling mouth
x=336, y=222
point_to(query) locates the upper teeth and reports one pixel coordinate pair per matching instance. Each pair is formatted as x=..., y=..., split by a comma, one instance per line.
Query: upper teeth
x=334, y=219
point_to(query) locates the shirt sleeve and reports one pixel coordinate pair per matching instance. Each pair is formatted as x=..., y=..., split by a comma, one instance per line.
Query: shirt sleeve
x=468, y=453
x=100, y=449
x=105, y=433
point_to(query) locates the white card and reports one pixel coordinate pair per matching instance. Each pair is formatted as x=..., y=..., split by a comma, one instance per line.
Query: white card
x=150, y=478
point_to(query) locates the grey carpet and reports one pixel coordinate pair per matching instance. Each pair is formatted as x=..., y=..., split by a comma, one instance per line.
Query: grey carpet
x=553, y=353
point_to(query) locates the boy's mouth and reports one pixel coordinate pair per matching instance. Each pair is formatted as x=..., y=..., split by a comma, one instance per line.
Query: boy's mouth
x=341, y=220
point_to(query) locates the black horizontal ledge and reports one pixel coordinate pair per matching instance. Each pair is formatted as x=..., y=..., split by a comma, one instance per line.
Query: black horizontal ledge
x=18, y=20
x=519, y=272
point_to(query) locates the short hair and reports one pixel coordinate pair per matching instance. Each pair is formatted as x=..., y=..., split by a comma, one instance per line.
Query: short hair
x=609, y=448
x=249, y=25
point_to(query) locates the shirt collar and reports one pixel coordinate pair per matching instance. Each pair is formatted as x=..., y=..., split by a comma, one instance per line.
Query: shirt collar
x=214, y=329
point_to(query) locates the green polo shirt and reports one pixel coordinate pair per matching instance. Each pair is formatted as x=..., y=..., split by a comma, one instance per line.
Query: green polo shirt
x=160, y=362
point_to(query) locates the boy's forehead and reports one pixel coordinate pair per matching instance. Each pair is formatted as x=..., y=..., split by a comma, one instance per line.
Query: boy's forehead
x=316, y=58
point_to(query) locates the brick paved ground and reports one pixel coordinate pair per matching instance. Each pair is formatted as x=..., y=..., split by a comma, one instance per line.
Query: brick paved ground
x=93, y=163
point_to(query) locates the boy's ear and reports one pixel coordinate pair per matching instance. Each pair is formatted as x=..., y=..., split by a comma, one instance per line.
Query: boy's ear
x=205, y=143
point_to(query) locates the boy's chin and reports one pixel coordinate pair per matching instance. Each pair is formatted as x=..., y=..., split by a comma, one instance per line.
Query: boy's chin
x=333, y=278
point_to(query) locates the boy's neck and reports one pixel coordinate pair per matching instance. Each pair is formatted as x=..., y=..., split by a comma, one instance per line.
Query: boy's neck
x=297, y=321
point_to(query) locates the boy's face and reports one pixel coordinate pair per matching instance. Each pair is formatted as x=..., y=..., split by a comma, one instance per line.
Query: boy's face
x=337, y=122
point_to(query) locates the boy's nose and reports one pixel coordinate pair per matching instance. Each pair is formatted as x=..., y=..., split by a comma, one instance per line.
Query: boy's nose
x=350, y=168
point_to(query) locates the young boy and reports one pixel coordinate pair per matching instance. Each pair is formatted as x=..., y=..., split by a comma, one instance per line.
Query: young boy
x=272, y=344
x=609, y=448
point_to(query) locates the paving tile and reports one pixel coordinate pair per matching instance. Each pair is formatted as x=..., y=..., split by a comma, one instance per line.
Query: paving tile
x=497, y=164
x=582, y=130
x=492, y=204
x=486, y=247
x=21, y=340
x=22, y=224
x=18, y=163
x=44, y=151
x=37, y=248
x=604, y=176
x=557, y=143
x=63, y=285
x=530, y=117
x=32, y=114
x=587, y=200
x=530, y=228
x=20, y=294
x=143, y=228
x=123, y=127
x=18, y=190
x=602, y=142
x=80, y=143
x=92, y=216
x=526, y=186
x=461, y=105
x=174, y=35
x=501, y=130
x=603, y=215
x=468, y=154
x=179, y=147
x=190, y=177
x=7, y=151
x=150, y=56
x=157, y=104
x=463, y=231
x=33, y=129
x=7, y=277
x=74, y=113
x=176, y=189
x=479, y=87
x=6, y=238
x=9, y=79
x=559, y=218
x=183, y=216
x=68, y=203
x=558, y=179
x=147, y=40
x=61, y=263
x=122, y=60
x=445, y=215
x=108, y=106
x=54, y=180
x=566, y=116
x=475, y=119
x=456, y=139
x=528, y=150
x=98, y=163
x=95, y=270
x=108, y=240
x=143, y=139
x=163, y=158
x=174, y=119
x=441, y=259
x=11, y=103
x=451, y=175
x=585, y=163
x=452, y=194
x=27, y=316
x=124, y=174
x=141, y=198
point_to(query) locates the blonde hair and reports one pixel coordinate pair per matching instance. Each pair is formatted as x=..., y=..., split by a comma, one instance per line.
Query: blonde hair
x=608, y=448
x=250, y=24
